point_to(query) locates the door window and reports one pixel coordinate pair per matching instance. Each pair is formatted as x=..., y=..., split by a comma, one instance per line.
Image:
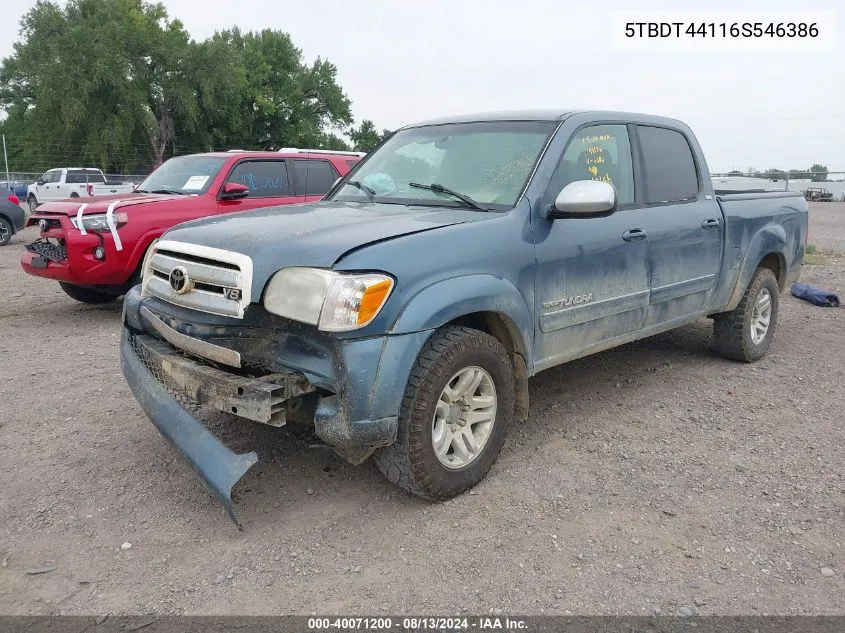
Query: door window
x=668, y=166
x=264, y=178
x=314, y=177
x=599, y=152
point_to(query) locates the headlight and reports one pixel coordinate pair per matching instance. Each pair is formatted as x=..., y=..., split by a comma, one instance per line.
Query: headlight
x=98, y=222
x=334, y=302
x=146, y=261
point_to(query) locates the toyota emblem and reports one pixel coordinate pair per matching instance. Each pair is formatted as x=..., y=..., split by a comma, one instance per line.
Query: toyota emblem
x=179, y=280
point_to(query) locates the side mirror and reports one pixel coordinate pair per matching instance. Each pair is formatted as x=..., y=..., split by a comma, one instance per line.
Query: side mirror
x=234, y=191
x=584, y=198
x=40, y=181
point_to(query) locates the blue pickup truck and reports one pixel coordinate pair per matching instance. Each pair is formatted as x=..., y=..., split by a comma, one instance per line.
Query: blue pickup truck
x=404, y=313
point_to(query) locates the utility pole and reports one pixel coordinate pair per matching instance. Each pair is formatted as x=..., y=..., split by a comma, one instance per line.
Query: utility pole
x=6, y=158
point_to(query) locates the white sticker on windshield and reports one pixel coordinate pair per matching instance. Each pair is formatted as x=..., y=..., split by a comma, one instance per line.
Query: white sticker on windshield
x=195, y=182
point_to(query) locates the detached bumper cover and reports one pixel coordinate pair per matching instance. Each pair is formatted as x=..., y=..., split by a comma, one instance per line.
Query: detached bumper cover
x=218, y=466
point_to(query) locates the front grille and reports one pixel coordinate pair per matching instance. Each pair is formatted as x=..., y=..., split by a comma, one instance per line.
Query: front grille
x=160, y=376
x=48, y=250
x=218, y=281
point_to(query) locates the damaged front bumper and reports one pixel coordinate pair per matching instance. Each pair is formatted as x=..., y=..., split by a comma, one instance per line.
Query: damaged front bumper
x=218, y=466
x=357, y=385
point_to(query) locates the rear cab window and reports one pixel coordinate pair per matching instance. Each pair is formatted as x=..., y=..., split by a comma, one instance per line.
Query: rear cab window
x=669, y=170
x=82, y=176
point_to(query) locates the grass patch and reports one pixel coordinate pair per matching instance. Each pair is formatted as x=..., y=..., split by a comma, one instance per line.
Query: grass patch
x=814, y=257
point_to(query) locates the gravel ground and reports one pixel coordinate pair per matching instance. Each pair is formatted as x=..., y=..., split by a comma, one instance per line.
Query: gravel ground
x=653, y=478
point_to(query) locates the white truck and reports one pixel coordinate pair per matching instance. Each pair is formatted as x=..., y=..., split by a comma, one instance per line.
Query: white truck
x=72, y=182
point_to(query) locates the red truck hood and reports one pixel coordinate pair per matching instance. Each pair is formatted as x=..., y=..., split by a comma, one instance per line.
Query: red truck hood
x=100, y=204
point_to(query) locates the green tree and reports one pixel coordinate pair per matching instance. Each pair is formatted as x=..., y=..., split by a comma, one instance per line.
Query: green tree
x=277, y=100
x=118, y=84
x=95, y=79
x=365, y=137
x=819, y=173
x=774, y=174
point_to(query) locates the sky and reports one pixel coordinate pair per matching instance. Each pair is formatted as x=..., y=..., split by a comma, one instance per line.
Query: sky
x=405, y=61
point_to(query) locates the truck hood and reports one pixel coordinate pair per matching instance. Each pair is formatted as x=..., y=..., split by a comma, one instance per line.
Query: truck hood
x=100, y=204
x=316, y=234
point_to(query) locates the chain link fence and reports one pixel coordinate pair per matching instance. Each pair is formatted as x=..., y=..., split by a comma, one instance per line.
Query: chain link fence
x=19, y=180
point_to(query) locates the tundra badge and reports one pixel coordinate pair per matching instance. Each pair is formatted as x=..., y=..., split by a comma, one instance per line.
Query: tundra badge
x=568, y=301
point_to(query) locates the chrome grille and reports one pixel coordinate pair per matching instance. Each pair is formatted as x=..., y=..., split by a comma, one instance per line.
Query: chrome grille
x=217, y=281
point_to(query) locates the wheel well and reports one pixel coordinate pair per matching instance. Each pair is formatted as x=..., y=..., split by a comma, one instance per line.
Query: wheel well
x=507, y=333
x=774, y=262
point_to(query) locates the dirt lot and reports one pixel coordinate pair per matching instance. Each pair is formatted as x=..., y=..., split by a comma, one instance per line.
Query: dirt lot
x=654, y=478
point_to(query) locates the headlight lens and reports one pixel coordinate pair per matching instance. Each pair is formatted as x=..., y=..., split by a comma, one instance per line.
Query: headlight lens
x=334, y=302
x=99, y=224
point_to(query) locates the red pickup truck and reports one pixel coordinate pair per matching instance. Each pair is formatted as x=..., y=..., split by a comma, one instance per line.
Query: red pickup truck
x=95, y=249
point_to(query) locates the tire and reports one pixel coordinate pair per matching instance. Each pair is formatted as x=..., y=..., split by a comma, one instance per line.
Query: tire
x=732, y=331
x=6, y=231
x=412, y=462
x=73, y=194
x=32, y=202
x=84, y=294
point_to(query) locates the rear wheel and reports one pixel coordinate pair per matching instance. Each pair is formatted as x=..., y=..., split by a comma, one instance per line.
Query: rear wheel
x=86, y=294
x=5, y=231
x=454, y=415
x=73, y=194
x=746, y=332
x=32, y=203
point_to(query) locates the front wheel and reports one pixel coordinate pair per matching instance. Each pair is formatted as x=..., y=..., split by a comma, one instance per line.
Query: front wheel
x=84, y=294
x=454, y=415
x=746, y=332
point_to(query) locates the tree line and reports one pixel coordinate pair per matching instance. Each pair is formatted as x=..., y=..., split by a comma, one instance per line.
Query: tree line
x=816, y=173
x=120, y=85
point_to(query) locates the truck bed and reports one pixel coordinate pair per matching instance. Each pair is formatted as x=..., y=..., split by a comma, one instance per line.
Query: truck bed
x=760, y=223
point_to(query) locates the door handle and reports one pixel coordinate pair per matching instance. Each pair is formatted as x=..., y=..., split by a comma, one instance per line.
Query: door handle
x=634, y=235
x=710, y=224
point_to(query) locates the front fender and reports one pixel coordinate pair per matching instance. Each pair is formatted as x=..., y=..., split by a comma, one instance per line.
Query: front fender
x=449, y=299
x=770, y=239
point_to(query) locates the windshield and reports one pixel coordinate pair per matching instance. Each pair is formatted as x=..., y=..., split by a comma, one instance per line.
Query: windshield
x=184, y=174
x=488, y=162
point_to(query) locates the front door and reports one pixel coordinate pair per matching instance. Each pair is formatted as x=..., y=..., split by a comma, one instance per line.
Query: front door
x=592, y=280
x=49, y=191
x=269, y=183
x=685, y=228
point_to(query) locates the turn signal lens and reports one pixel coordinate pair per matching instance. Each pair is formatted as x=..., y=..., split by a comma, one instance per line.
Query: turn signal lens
x=353, y=301
x=372, y=300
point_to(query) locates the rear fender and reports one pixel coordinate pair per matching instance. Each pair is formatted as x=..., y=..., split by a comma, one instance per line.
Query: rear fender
x=770, y=239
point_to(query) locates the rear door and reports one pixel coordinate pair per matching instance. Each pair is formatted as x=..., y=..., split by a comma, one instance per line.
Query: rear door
x=269, y=181
x=684, y=225
x=314, y=177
